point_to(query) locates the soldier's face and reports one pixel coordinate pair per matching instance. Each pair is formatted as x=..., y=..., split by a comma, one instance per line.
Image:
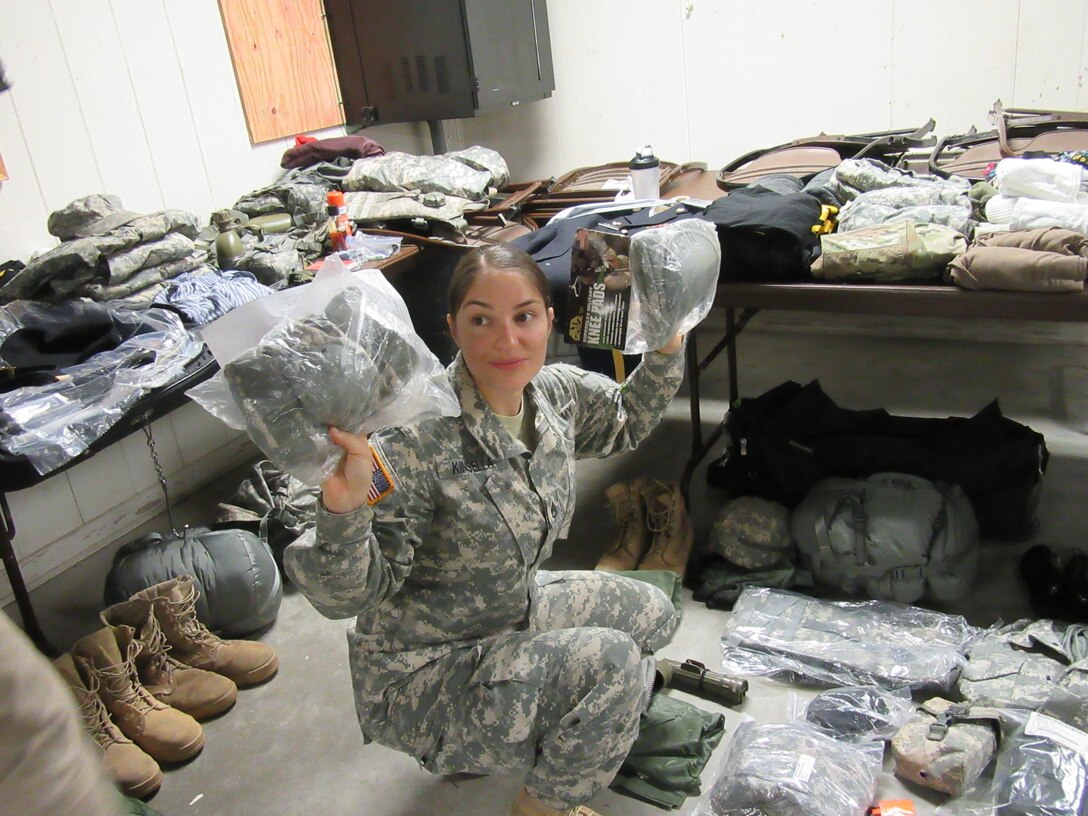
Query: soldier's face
x=502, y=330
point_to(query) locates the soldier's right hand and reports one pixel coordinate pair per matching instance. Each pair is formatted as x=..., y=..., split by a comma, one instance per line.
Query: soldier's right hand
x=347, y=488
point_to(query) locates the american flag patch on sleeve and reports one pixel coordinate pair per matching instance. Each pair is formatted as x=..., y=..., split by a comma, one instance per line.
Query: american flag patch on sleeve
x=381, y=479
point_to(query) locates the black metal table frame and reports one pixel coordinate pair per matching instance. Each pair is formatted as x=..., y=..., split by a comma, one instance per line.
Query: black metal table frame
x=892, y=301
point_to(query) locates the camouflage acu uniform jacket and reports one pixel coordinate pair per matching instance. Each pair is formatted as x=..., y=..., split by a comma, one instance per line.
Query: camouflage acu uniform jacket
x=449, y=558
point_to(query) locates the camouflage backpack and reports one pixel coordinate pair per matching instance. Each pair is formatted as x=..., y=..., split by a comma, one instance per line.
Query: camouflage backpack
x=947, y=745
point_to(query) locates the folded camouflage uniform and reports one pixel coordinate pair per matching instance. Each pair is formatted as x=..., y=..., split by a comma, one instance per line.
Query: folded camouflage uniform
x=1021, y=664
x=336, y=368
x=947, y=746
x=900, y=251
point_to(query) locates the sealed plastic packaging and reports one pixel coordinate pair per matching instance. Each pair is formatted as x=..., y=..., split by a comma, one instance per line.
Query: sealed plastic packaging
x=793, y=770
x=52, y=423
x=1041, y=767
x=342, y=352
x=855, y=713
x=792, y=637
x=674, y=277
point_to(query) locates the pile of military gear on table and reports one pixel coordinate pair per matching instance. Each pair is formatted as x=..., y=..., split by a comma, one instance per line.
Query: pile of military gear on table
x=996, y=719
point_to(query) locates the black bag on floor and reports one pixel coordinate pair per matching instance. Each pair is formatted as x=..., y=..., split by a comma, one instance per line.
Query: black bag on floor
x=784, y=441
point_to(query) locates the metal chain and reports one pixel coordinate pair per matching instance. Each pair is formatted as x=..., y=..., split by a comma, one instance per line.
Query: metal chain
x=159, y=472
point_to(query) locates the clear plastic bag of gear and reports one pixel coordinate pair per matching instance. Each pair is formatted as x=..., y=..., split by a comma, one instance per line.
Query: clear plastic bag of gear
x=674, y=277
x=1041, y=767
x=342, y=352
x=75, y=368
x=855, y=713
x=774, y=769
x=792, y=637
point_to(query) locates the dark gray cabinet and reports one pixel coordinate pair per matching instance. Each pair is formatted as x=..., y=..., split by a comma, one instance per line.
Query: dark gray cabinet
x=416, y=60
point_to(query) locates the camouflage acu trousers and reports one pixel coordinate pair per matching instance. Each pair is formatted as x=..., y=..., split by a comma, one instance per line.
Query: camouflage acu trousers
x=563, y=699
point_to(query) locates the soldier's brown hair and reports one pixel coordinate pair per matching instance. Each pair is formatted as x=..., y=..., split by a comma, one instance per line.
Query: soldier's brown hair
x=496, y=256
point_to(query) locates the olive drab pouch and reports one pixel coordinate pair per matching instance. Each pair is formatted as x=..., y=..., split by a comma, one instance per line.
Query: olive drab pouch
x=946, y=746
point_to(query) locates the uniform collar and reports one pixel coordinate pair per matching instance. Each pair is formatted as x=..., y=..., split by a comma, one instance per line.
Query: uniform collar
x=478, y=416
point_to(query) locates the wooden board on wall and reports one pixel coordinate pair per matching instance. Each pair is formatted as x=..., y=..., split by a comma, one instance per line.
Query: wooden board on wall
x=3, y=170
x=283, y=66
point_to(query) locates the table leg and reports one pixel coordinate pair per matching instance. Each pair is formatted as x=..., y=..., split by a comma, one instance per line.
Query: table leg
x=18, y=586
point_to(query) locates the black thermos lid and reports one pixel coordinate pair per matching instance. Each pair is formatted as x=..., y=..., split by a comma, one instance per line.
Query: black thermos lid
x=644, y=159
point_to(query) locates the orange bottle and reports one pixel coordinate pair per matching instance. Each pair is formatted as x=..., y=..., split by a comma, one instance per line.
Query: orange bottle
x=339, y=224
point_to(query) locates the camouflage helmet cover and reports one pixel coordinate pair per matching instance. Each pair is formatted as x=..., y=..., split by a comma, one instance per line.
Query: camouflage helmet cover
x=751, y=532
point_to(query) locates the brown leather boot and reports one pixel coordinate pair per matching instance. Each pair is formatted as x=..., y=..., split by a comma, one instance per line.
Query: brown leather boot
x=246, y=662
x=132, y=770
x=167, y=734
x=668, y=520
x=628, y=507
x=200, y=694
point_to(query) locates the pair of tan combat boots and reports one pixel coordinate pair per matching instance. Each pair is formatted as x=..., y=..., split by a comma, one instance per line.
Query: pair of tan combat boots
x=656, y=529
x=144, y=680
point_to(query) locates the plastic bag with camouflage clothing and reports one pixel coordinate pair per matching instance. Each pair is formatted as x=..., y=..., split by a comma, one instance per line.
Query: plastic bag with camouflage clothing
x=788, y=636
x=1021, y=664
x=340, y=352
x=793, y=770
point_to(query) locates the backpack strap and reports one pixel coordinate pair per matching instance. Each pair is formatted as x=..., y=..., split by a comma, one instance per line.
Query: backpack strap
x=856, y=501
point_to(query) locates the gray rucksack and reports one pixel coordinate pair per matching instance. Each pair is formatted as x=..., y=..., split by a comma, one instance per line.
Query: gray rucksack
x=892, y=537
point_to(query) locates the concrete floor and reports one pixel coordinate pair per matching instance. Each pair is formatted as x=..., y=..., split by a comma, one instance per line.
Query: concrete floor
x=292, y=745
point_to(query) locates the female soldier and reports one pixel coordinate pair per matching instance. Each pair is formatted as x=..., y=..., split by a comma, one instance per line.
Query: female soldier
x=465, y=654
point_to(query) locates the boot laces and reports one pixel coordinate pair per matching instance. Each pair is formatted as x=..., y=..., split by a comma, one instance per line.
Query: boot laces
x=185, y=612
x=157, y=648
x=626, y=512
x=122, y=681
x=98, y=723
x=661, y=512
x=624, y=509
x=95, y=717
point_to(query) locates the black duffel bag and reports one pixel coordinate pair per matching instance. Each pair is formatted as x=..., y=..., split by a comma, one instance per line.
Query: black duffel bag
x=787, y=439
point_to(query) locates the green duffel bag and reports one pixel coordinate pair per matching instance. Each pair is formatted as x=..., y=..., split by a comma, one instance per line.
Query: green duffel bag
x=891, y=537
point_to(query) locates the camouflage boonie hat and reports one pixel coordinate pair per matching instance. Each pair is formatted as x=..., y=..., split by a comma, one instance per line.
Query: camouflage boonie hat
x=751, y=532
x=94, y=214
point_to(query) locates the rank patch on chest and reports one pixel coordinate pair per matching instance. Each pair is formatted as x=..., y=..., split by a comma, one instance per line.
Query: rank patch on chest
x=381, y=479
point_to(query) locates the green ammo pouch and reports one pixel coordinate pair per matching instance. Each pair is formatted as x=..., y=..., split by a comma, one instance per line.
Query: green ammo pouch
x=947, y=745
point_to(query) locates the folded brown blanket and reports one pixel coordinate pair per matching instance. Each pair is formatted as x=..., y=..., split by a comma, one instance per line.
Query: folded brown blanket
x=1018, y=269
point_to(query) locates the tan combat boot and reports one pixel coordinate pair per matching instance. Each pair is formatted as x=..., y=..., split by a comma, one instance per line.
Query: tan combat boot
x=132, y=770
x=200, y=694
x=526, y=805
x=246, y=662
x=167, y=734
x=668, y=520
x=627, y=505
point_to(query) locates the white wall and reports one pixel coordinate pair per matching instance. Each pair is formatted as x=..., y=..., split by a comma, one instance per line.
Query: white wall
x=138, y=98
